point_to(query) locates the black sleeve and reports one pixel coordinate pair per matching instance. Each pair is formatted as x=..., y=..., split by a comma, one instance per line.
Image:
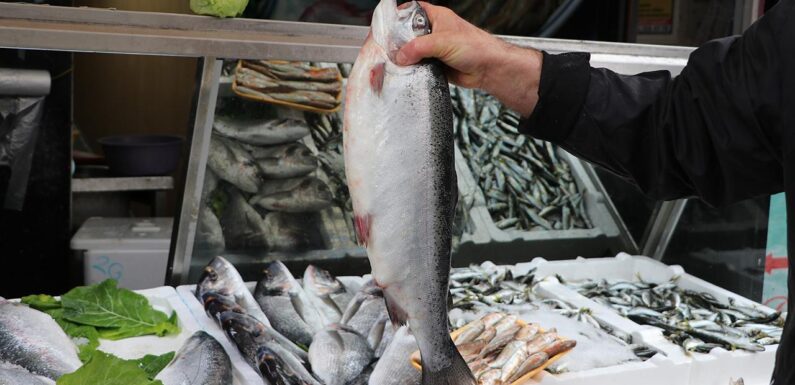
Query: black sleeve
x=715, y=131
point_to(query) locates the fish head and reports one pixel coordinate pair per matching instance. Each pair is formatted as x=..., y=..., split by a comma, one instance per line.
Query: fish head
x=392, y=28
x=241, y=323
x=216, y=277
x=217, y=303
x=322, y=281
x=276, y=278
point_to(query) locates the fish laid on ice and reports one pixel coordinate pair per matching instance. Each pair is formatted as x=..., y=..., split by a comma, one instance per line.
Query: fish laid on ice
x=232, y=163
x=398, y=140
x=327, y=293
x=261, y=132
x=17, y=375
x=276, y=362
x=286, y=305
x=365, y=309
x=200, y=361
x=394, y=368
x=285, y=161
x=33, y=340
x=221, y=278
x=243, y=227
x=339, y=354
x=311, y=195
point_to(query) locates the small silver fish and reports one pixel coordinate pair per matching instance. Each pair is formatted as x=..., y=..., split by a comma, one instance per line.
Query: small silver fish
x=200, y=361
x=311, y=195
x=339, y=354
x=259, y=132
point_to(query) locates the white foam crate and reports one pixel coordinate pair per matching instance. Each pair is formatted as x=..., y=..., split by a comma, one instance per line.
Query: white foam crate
x=715, y=368
x=243, y=371
x=658, y=370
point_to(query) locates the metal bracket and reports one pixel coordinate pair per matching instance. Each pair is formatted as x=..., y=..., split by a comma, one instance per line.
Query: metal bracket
x=659, y=234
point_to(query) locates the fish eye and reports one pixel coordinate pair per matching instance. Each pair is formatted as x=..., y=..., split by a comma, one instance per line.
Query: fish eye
x=420, y=22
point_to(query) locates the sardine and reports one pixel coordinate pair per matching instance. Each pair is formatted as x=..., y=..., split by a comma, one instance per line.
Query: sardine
x=394, y=367
x=33, y=340
x=310, y=195
x=284, y=302
x=200, y=361
x=327, y=293
x=284, y=161
x=243, y=226
x=17, y=375
x=232, y=163
x=261, y=132
x=398, y=143
x=339, y=354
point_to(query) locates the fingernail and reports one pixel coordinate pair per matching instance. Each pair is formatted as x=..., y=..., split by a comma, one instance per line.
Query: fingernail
x=401, y=58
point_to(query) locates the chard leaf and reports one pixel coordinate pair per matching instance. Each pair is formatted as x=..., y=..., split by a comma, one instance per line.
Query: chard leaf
x=106, y=369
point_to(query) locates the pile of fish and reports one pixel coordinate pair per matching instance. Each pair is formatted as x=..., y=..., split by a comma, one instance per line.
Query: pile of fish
x=501, y=350
x=488, y=287
x=268, y=194
x=526, y=185
x=296, y=83
x=694, y=320
x=317, y=332
x=33, y=348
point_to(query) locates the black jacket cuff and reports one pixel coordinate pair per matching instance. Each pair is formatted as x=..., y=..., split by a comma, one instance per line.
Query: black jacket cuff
x=562, y=92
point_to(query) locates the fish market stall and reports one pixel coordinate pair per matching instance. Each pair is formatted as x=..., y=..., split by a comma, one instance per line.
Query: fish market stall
x=273, y=287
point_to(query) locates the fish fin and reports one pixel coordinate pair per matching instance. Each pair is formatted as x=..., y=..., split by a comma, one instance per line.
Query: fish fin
x=377, y=74
x=337, y=337
x=398, y=316
x=362, y=224
x=377, y=333
x=352, y=309
x=457, y=373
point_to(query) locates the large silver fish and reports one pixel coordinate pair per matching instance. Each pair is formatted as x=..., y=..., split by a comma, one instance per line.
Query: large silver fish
x=398, y=140
x=33, y=340
x=17, y=375
x=394, y=367
x=288, y=308
x=261, y=132
x=232, y=163
x=200, y=361
x=339, y=354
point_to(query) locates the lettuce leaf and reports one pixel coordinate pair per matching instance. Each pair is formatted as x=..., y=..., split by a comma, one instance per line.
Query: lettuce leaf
x=106, y=369
x=152, y=364
x=219, y=8
x=116, y=313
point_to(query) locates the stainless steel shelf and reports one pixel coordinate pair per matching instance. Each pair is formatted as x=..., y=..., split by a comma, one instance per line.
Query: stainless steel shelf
x=152, y=183
x=148, y=33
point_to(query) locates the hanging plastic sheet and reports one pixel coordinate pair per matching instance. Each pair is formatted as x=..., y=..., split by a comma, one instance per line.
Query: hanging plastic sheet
x=22, y=94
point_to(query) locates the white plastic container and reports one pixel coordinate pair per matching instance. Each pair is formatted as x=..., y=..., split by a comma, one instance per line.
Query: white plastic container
x=133, y=251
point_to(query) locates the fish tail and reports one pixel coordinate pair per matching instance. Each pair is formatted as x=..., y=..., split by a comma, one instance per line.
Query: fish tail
x=457, y=373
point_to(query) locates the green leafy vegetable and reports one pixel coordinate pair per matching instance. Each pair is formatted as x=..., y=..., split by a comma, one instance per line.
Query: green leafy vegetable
x=220, y=8
x=42, y=302
x=152, y=364
x=106, y=369
x=116, y=313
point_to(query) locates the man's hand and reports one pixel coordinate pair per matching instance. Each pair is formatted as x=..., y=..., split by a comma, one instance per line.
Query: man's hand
x=476, y=59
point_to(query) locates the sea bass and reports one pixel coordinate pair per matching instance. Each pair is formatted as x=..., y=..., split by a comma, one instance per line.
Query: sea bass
x=17, y=375
x=398, y=139
x=259, y=132
x=33, y=340
x=311, y=195
x=284, y=161
x=243, y=227
x=327, y=293
x=201, y=361
x=288, y=308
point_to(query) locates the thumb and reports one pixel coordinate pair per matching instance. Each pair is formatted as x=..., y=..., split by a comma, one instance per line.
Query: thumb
x=420, y=48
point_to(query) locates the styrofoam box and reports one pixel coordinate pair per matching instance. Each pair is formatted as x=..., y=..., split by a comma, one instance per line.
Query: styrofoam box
x=715, y=368
x=659, y=370
x=244, y=373
x=133, y=251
